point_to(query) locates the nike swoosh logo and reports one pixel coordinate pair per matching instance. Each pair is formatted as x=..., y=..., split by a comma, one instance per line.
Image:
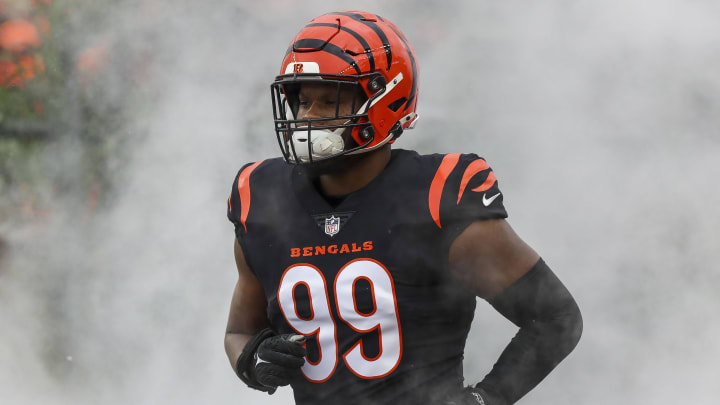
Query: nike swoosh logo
x=488, y=201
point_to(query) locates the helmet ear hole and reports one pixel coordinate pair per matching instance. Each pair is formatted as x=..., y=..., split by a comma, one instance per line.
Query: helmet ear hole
x=376, y=84
x=395, y=105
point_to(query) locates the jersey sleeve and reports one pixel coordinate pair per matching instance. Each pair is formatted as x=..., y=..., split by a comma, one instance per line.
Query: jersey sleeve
x=464, y=189
x=238, y=204
x=233, y=203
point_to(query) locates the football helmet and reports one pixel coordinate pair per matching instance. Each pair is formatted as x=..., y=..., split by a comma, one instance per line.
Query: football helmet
x=350, y=52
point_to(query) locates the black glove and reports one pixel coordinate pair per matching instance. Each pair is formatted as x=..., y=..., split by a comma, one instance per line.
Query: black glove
x=474, y=396
x=269, y=361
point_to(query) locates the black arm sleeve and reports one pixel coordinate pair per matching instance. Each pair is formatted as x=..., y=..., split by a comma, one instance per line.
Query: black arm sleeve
x=550, y=328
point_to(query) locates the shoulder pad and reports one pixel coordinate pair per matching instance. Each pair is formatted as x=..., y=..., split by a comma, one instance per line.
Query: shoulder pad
x=464, y=188
x=240, y=196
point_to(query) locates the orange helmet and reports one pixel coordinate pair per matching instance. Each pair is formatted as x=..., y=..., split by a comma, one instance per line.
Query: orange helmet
x=346, y=49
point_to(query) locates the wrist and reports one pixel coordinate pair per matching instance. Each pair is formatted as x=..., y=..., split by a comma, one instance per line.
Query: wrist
x=489, y=395
x=246, y=362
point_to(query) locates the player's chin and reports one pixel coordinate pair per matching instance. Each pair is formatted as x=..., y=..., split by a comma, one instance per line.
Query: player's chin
x=325, y=166
x=333, y=165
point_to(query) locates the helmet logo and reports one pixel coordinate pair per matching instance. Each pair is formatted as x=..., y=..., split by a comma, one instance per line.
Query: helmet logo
x=302, y=67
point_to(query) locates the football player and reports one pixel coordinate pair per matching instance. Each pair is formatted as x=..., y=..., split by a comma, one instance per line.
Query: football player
x=359, y=265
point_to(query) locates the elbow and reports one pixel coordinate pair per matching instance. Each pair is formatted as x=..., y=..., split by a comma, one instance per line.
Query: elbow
x=562, y=331
x=572, y=328
x=576, y=329
x=227, y=345
x=560, y=335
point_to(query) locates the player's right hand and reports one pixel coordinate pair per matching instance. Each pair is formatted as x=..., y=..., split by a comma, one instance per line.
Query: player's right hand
x=278, y=360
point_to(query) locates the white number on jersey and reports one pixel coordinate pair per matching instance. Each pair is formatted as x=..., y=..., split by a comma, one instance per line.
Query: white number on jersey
x=384, y=318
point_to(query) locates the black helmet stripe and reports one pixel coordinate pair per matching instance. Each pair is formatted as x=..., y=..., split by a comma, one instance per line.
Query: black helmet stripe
x=374, y=27
x=321, y=45
x=357, y=36
x=413, y=91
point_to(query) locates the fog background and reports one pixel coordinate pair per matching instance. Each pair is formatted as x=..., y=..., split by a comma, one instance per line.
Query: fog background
x=599, y=118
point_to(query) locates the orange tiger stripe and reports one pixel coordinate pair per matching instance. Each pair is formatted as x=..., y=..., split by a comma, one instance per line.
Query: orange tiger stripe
x=244, y=191
x=436, y=187
x=489, y=182
x=473, y=168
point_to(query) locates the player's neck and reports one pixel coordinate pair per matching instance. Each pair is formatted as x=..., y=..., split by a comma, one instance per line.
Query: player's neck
x=358, y=176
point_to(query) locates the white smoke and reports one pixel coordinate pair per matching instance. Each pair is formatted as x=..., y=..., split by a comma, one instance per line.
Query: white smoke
x=597, y=117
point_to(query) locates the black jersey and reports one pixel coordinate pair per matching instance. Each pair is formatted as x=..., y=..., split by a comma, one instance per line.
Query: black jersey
x=367, y=281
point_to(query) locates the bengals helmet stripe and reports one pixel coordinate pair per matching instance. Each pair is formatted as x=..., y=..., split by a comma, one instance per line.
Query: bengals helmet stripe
x=388, y=51
x=412, y=64
x=378, y=31
x=357, y=36
x=319, y=44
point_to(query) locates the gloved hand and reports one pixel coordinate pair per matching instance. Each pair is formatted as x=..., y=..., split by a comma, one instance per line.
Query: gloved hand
x=269, y=361
x=278, y=359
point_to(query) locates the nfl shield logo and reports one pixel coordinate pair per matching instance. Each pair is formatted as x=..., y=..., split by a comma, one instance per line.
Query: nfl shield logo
x=332, y=225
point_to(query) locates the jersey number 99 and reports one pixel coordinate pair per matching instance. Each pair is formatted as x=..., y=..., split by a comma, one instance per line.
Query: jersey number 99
x=321, y=323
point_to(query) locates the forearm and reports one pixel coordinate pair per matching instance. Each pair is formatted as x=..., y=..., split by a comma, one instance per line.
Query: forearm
x=550, y=327
x=234, y=344
x=247, y=314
